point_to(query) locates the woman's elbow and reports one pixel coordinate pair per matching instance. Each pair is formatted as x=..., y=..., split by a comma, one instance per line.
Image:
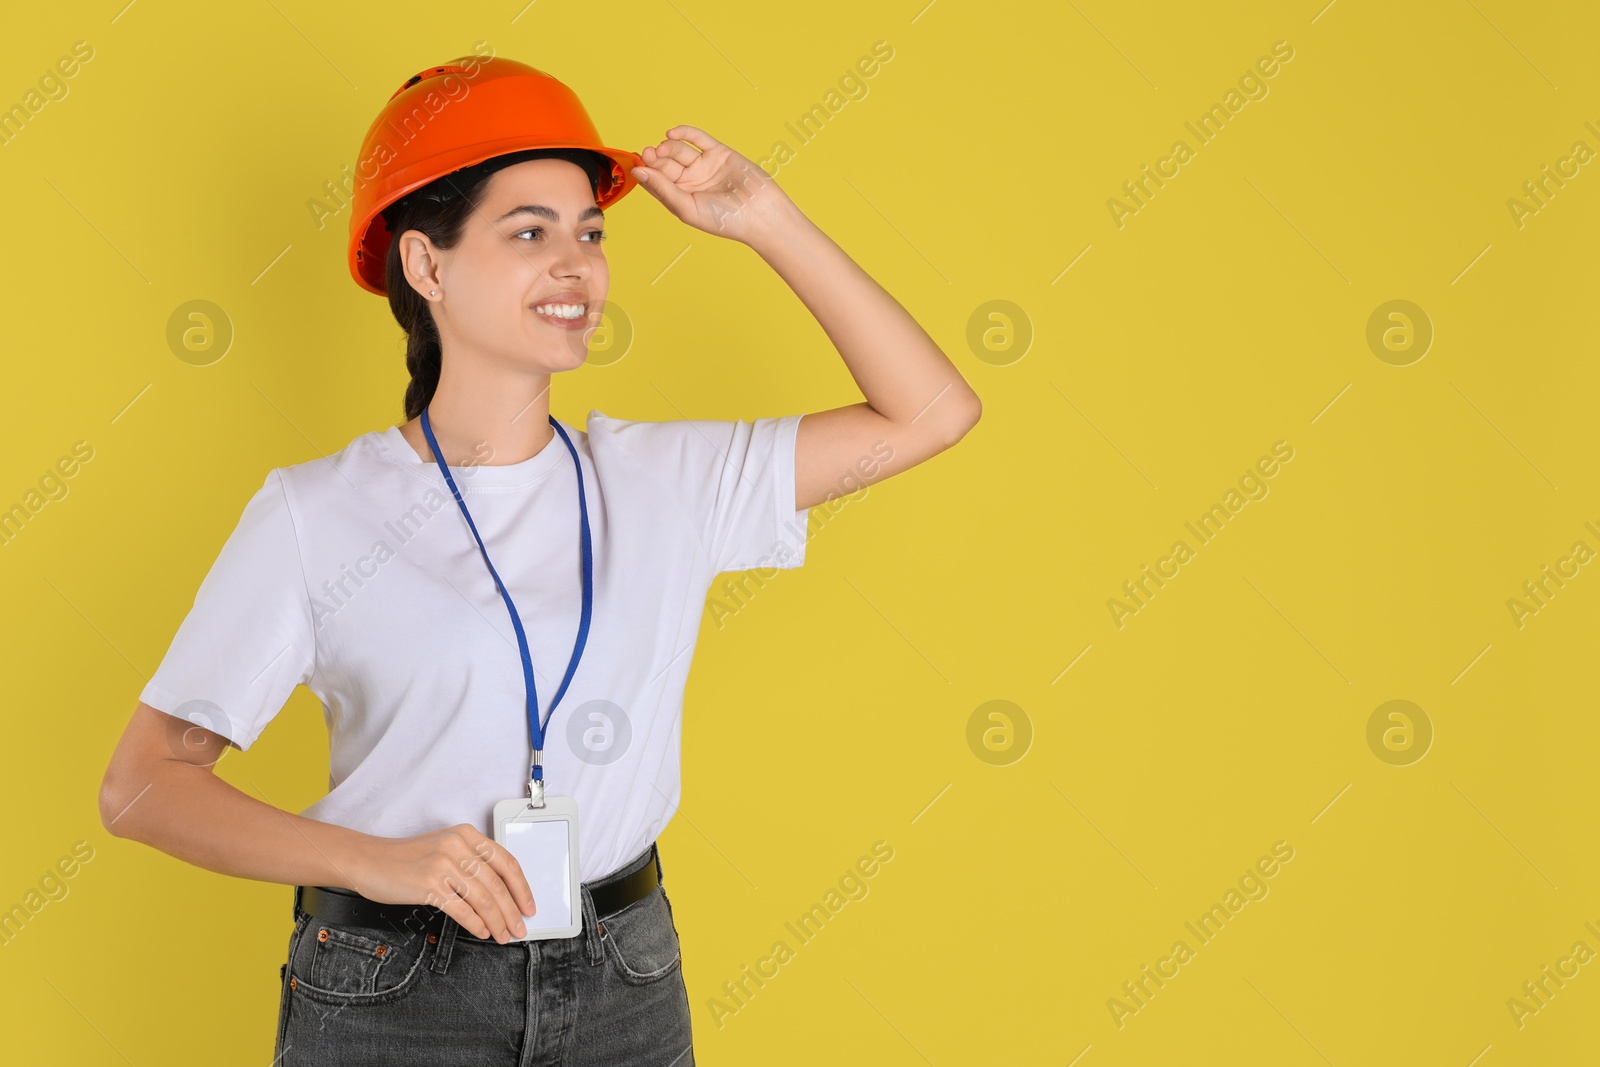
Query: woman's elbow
x=114, y=800
x=959, y=428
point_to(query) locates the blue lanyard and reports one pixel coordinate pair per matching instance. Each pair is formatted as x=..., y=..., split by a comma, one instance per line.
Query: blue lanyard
x=535, y=727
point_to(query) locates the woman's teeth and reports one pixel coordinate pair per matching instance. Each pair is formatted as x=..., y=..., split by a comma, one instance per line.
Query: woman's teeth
x=560, y=311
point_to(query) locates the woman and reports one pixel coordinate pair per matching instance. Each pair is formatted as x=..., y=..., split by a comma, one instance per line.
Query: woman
x=484, y=575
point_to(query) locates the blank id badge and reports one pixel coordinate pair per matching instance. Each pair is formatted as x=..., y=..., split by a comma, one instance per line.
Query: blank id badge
x=545, y=842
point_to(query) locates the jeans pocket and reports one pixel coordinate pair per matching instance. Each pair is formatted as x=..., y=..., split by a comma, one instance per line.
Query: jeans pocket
x=642, y=941
x=336, y=963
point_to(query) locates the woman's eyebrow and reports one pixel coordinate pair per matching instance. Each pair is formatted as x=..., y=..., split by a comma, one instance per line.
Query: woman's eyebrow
x=546, y=213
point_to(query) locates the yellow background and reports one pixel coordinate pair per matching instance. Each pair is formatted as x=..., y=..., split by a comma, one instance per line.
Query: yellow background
x=1229, y=313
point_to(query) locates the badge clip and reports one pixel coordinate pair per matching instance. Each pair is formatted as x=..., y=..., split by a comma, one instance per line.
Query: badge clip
x=536, y=787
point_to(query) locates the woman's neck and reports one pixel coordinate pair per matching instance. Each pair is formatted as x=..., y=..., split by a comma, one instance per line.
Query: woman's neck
x=489, y=433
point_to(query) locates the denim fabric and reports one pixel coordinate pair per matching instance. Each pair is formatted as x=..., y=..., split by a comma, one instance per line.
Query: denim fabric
x=435, y=994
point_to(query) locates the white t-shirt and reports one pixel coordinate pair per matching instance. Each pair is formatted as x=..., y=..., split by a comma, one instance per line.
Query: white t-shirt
x=357, y=576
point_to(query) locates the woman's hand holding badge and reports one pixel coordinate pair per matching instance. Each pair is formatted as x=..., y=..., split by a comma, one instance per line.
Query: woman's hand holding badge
x=469, y=877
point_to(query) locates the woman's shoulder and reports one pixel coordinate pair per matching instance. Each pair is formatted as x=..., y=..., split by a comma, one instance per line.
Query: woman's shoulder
x=649, y=444
x=352, y=465
x=655, y=432
x=626, y=436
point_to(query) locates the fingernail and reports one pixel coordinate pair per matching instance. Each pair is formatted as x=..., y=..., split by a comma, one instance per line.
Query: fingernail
x=522, y=929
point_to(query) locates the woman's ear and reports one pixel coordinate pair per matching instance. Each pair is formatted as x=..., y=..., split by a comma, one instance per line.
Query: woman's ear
x=419, y=258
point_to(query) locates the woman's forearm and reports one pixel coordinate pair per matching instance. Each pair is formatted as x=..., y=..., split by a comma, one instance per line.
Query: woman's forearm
x=188, y=812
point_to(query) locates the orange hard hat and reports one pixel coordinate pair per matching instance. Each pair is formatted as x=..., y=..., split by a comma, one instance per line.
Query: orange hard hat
x=452, y=116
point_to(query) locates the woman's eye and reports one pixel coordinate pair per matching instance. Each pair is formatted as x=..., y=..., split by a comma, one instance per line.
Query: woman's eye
x=596, y=235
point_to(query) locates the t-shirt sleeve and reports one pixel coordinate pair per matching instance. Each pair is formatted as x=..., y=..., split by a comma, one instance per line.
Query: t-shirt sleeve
x=249, y=639
x=732, y=480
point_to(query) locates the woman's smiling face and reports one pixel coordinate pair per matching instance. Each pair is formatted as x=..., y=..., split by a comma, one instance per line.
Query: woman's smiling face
x=533, y=242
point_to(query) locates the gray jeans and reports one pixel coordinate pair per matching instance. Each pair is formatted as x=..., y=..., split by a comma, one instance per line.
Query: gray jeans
x=435, y=994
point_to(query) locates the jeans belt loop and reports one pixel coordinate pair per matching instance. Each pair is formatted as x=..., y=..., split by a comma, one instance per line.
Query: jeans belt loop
x=447, y=939
x=591, y=923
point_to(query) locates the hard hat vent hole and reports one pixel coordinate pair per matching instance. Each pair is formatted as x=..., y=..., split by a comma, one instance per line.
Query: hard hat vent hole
x=448, y=68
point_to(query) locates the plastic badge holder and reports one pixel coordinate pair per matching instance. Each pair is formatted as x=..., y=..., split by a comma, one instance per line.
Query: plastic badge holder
x=544, y=842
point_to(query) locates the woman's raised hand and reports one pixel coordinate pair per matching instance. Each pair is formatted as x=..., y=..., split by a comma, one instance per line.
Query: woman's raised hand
x=471, y=878
x=711, y=187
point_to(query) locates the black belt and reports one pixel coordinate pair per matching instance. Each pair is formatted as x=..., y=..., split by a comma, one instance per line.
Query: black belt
x=345, y=906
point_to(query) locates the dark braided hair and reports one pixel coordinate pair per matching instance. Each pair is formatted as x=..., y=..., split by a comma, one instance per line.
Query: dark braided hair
x=440, y=209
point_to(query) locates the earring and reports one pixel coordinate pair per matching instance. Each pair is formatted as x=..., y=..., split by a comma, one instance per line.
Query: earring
x=433, y=292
